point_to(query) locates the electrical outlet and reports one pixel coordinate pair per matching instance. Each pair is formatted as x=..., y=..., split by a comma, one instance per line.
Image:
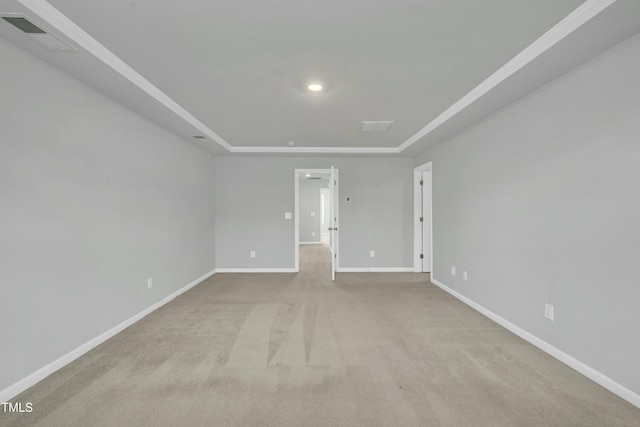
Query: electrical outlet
x=252, y=254
x=548, y=311
x=149, y=282
x=465, y=277
x=372, y=254
x=453, y=270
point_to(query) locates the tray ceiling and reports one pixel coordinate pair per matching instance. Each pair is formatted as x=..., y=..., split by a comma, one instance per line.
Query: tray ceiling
x=236, y=72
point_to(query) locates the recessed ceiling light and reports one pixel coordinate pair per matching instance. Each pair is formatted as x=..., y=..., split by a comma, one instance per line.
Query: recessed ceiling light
x=314, y=87
x=308, y=175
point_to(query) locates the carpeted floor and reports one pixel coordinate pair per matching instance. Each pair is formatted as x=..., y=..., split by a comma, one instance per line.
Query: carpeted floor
x=372, y=349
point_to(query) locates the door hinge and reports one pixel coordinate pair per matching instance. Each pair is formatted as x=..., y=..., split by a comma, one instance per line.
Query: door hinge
x=335, y=256
x=421, y=182
x=421, y=219
x=421, y=256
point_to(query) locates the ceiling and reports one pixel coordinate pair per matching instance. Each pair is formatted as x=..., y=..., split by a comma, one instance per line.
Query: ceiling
x=235, y=71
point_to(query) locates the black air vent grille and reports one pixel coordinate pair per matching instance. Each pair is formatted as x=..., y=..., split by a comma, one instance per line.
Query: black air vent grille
x=24, y=24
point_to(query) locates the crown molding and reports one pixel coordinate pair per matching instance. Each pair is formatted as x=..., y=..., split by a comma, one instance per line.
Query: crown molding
x=66, y=26
x=570, y=23
x=316, y=150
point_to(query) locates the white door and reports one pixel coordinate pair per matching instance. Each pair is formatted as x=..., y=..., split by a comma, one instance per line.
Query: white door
x=333, y=222
x=426, y=221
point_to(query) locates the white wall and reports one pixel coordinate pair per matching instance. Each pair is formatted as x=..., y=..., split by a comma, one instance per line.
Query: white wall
x=94, y=199
x=309, y=205
x=253, y=193
x=541, y=203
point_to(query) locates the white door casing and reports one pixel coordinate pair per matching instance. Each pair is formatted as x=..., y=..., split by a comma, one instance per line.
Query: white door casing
x=333, y=223
x=426, y=221
x=423, y=214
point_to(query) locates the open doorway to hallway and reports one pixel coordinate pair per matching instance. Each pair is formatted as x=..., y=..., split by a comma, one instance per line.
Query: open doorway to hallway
x=314, y=206
x=316, y=219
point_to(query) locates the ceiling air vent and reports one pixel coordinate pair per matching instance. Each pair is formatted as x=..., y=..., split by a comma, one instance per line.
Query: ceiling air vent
x=47, y=40
x=376, y=126
x=24, y=24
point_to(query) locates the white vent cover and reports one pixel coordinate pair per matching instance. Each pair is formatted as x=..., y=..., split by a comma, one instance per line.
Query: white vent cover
x=376, y=126
x=53, y=43
x=47, y=40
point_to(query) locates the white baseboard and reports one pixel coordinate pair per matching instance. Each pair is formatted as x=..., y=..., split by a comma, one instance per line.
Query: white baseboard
x=311, y=243
x=586, y=370
x=37, y=376
x=256, y=270
x=376, y=270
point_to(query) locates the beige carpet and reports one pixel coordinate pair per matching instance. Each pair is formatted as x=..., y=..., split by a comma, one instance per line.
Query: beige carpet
x=299, y=350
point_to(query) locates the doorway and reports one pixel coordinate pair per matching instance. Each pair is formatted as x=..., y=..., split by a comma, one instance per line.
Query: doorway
x=423, y=218
x=316, y=220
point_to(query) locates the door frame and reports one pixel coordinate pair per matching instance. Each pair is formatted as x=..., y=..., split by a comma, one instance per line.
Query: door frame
x=417, y=210
x=297, y=175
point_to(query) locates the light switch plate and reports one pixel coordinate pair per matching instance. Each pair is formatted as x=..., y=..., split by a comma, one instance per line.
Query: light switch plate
x=548, y=311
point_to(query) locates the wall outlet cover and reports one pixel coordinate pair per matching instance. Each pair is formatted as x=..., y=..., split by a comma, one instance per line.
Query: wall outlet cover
x=287, y=215
x=453, y=270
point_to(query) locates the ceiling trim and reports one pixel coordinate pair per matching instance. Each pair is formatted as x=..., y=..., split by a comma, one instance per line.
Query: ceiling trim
x=67, y=27
x=317, y=150
x=570, y=23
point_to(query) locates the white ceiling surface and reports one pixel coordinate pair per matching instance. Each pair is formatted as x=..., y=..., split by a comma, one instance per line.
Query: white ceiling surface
x=238, y=69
